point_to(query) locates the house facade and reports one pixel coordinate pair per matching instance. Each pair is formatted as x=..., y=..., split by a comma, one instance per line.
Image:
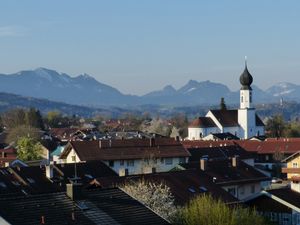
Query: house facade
x=127, y=157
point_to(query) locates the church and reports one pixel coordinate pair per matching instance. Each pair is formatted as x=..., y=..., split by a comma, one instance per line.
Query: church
x=243, y=122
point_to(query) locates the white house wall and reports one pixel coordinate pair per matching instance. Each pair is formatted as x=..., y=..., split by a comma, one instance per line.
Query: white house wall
x=142, y=167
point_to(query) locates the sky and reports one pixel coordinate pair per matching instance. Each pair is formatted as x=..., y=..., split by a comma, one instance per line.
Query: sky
x=142, y=45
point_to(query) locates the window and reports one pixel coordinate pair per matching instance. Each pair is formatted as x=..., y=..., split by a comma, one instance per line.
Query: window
x=242, y=99
x=232, y=191
x=273, y=217
x=252, y=188
x=121, y=162
x=130, y=162
x=295, y=165
x=169, y=161
x=250, y=97
x=242, y=190
x=111, y=163
x=182, y=160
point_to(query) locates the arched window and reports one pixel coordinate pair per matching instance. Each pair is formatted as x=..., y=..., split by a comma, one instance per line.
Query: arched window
x=242, y=99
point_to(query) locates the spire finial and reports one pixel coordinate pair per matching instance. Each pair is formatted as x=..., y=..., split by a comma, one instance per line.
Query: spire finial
x=245, y=61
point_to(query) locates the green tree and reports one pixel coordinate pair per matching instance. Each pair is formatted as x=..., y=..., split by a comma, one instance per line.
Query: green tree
x=34, y=119
x=28, y=149
x=54, y=118
x=275, y=126
x=204, y=210
x=222, y=104
x=292, y=129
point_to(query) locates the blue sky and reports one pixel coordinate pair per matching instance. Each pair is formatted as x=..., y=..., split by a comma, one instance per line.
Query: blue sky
x=142, y=45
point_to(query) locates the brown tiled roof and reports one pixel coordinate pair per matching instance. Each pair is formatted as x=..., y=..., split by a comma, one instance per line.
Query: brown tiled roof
x=226, y=174
x=219, y=153
x=63, y=133
x=207, y=144
x=288, y=195
x=104, y=206
x=184, y=184
x=229, y=118
x=85, y=171
x=126, y=149
x=202, y=122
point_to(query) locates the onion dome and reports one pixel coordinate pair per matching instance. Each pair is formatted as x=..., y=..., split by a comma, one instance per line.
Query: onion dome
x=246, y=79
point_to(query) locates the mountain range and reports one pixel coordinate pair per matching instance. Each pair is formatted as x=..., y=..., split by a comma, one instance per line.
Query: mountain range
x=87, y=91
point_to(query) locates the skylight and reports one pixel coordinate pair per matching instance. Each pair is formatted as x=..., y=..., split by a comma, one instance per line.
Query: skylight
x=192, y=190
x=3, y=185
x=203, y=189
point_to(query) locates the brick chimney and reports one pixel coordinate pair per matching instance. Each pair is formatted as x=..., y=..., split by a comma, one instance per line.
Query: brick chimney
x=203, y=164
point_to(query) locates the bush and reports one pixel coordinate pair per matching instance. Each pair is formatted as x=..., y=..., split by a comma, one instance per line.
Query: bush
x=204, y=210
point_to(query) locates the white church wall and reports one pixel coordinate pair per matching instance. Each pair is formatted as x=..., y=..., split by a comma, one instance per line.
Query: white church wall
x=198, y=133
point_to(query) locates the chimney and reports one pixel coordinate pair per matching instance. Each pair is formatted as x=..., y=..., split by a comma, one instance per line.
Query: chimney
x=235, y=161
x=152, y=142
x=177, y=138
x=100, y=144
x=49, y=170
x=3, y=154
x=74, y=191
x=203, y=164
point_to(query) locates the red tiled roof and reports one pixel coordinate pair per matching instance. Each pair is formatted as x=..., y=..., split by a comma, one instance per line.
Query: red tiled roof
x=202, y=122
x=9, y=154
x=269, y=146
x=126, y=149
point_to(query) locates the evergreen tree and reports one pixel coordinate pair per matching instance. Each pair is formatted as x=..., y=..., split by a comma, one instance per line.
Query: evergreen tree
x=222, y=104
x=34, y=118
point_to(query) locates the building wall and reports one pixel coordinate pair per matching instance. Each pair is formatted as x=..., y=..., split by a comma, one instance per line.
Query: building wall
x=295, y=186
x=243, y=191
x=294, y=163
x=195, y=133
x=247, y=122
x=69, y=158
x=144, y=166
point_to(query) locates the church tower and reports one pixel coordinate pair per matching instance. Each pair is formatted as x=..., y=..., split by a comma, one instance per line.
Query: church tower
x=246, y=112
